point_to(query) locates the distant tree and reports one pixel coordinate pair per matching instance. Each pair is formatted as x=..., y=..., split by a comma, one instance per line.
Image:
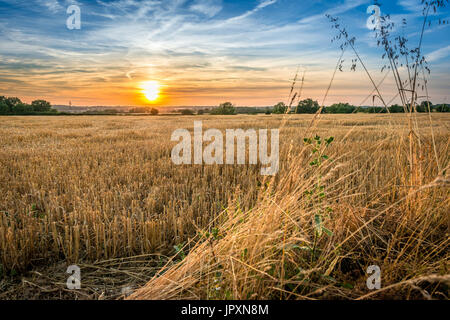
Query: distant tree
x=226, y=108
x=4, y=109
x=41, y=106
x=307, y=106
x=340, y=108
x=423, y=107
x=22, y=108
x=12, y=102
x=187, y=112
x=443, y=108
x=200, y=112
x=280, y=108
x=13, y=105
x=154, y=111
x=395, y=108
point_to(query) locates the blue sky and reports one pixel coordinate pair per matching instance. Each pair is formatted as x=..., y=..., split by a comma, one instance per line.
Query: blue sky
x=201, y=52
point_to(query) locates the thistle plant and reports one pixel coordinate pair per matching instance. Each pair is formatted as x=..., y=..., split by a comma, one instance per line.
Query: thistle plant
x=399, y=56
x=317, y=193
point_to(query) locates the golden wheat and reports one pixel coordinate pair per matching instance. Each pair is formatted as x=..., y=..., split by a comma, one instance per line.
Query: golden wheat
x=81, y=189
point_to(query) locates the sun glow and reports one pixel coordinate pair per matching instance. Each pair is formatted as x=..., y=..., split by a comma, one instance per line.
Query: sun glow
x=151, y=90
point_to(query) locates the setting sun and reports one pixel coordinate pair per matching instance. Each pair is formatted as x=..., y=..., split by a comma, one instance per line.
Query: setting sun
x=151, y=90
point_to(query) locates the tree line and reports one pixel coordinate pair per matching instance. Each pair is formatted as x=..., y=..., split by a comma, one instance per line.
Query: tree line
x=14, y=106
x=310, y=106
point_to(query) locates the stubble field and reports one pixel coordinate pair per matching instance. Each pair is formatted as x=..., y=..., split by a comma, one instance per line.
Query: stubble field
x=103, y=193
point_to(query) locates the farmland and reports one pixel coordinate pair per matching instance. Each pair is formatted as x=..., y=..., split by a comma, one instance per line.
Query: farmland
x=103, y=193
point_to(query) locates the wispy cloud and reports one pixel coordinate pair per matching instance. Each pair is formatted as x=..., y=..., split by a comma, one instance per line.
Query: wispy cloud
x=52, y=5
x=336, y=10
x=438, y=54
x=208, y=7
x=411, y=5
x=260, y=6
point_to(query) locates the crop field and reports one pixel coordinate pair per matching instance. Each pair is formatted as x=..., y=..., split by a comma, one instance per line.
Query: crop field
x=102, y=192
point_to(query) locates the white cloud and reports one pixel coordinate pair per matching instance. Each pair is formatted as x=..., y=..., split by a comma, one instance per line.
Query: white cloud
x=261, y=5
x=438, y=54
x=207, y=7
x=52, y=5
x=411, y=5
x=346, y=6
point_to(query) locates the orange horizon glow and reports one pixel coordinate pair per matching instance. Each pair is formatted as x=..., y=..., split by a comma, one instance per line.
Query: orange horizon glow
x=167, y=88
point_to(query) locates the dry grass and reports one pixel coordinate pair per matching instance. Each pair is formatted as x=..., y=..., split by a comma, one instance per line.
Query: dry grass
x=377, y=218
x=90, y=189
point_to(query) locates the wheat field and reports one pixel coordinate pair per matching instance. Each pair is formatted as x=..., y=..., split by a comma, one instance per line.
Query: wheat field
x=95, y=190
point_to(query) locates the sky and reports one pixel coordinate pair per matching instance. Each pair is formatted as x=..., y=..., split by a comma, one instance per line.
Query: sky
x=203, y=52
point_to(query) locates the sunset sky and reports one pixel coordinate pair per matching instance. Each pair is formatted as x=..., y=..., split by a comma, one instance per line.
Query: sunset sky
x=200, y=52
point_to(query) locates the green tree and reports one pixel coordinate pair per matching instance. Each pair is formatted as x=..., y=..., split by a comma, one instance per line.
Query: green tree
x=307, y=106
x=4, y=109
x=12, y=102
x=41, y=106
x=226, y=108
x=340, y=108
x=22, y=108
x=395, y=108
x=443, y=108
x=423, y=107
x=154, y=111
x=280, y=108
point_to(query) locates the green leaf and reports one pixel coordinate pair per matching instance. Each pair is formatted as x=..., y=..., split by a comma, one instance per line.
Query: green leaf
x=304, y=248
x=329, y=140
x=327, y=231
x=179, y=250
x=228, y=295
x=215, y=233
x=313, y=163
x=347, y=285
x=318, y=224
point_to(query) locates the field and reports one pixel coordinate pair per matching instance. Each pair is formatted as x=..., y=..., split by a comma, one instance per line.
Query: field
x=102, y=193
